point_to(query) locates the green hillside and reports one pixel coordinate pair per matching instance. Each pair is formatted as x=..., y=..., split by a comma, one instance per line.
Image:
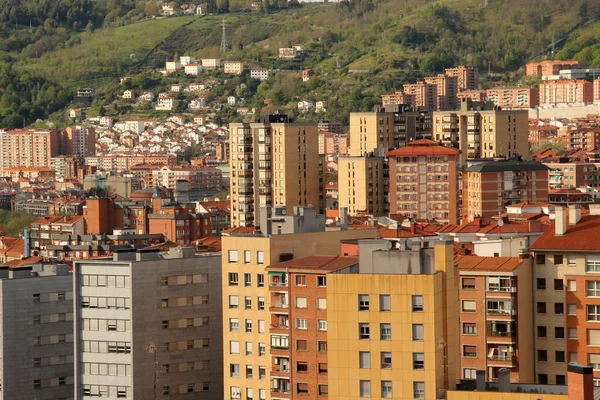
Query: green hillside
x=359, y=48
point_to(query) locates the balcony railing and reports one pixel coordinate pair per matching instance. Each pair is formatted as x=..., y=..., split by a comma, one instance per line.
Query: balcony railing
x=278, y=284
x=280, y=305
x=503, y=358
x=502, y=334
x=501, y=312
x=509, y=289
x=278, y=326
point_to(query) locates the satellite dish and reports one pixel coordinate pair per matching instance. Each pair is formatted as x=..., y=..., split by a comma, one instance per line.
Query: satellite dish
x=388, y=245
x=283, y=212
x=501, y=223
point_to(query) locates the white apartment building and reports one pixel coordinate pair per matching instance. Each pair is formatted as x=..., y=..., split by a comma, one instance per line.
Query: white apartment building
x=261, y=74
x=211, y=63
x=145, y=319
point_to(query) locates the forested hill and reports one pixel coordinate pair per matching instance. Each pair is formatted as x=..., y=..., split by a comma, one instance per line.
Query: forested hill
x=359, y=48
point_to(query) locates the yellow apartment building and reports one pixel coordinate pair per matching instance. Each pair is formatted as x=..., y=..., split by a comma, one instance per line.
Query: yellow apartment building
x=370, y=131
x=273, y=163
x=393, y=326
x=246, y=299
x=482, y=133
x=362, y=183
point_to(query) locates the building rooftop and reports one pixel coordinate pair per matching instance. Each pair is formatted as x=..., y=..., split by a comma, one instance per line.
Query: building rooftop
x=315, y=263
x=580, y=237
x=487, y=264
x=423, y=147
x=507, y=165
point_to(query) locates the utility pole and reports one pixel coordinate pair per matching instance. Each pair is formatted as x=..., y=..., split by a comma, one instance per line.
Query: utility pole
x=223, y=39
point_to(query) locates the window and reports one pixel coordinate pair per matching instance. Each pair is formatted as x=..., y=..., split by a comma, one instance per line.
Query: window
x=301, y=302
x=262, y=349
x=559, y=356
x=321, y=281
x=542, y=355
x=247, y=255
x=593, y=313
x=260, y=257
x=301, y=345
x=233, y=279
x=261, y=303
x=37, y=383
x=573, y=358
x=322, y=324
x=247, y=280
x=592, y=288
x=322, y=346
x=418, y=361
x=233, y=256
x=300, y=280
x=541, y=332
x=561, y=380
x=363, y=302
x=559, y=308
x=301, y=366
x=234, y=370
x=234, y=325
x=385, y=331
x=302, y=388
x=260, y=280
x=262, y=372
x=593, y=337
x=468, y=283
x=364, y=331
x=559, y=332
x=323, y=390
x=322, y=368
x=558, y=259
x=233, y=302
x=571, y=259
x=36, y=297
x=594, y=361
x=559, y=284
x=469, y=373
x=540, y=259
x=248, y=348
x=364, y=359
x=234, y=347
x=386, y=360
x=541, y=307
x=249, y=371
x=469, y=306
x=417, y=332
x=385, y=302
x=417, y=303
x=542, y=379
x=386, y=389
x=469, y=328
x=419, y=390
x=321, y=304
x=248, y=303
x=248, y=325
x=469, y=351
x=365, y=388
x=572, y=333
x=301, y=323
x=541, y=283
x=571, y=285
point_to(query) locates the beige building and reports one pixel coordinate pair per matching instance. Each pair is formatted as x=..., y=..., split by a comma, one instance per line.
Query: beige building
x=482, y=133
x=233, y=67
x=361, y=185
x=251, y=338
x=28, y=148
x=273, y=164
x=393, y=324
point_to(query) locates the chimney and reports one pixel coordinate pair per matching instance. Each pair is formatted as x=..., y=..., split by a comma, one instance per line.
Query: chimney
x=344, y=218
x=478, y=221
x=413, y=228
x=574, y=214
x=581, y=382
x=560, y=221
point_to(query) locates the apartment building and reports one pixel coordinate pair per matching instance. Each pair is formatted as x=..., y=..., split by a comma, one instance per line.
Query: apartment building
x=482, y=133
x=54, y=230
x=362, y=185
x=36, y=356
x=468, y=77
x=514, y=98
x=565, y=299
x=587, y=139
x=233, y=67
x=78, y=141
x=273, y=163
x=253, y=336
x=496, y=317
x=66, y=167
x=550, y=67
x=392, y=324
x=148, y=325
x=424, y=181
x=124, y=163
x=561, y=92
x=447, y=88
x=424, y=95
x=179, y=223
x=397, y=98
x=205, y=179
x=334, y=143
x=490, y=186
x=475, y=95
x=28, y=148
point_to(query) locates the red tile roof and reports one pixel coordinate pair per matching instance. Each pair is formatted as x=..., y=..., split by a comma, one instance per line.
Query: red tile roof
x=23, y=262
x=580, y=237
x=316, y=263
x=487, y=264
x=423, y=147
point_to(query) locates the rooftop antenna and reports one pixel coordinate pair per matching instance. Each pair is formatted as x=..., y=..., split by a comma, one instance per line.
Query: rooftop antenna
x=223, y=39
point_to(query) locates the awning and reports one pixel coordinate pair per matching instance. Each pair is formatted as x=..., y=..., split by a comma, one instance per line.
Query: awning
x=275, y=273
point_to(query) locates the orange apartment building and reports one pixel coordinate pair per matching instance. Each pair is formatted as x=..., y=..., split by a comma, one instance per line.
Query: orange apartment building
x=473, y=95
x=78, y=141
x=178, y=223
x=539, y=133
x=496, y=317
x=490, y=186
x=298, y=293
x=125, y=162
x=514, y=97
x=424, y=181
x=596, y=85
x=586, y=139
x=334, y=143
x=550, y=67
x=467, y=77
x=103, y=215
x=397, y=98
x=576, y=91
x=424, y=95
x=206, y=178
x=28, y=148
x=447, y=88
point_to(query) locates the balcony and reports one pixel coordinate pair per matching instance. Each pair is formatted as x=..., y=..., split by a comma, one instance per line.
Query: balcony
x=502, y=312
x=280, y=328
x=276, y=284
x=279, y=307
x=505, y=289
x=505, y=361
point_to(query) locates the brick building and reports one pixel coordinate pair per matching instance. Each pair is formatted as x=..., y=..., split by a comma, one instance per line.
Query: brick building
x=514, y=97
x=566, y=92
